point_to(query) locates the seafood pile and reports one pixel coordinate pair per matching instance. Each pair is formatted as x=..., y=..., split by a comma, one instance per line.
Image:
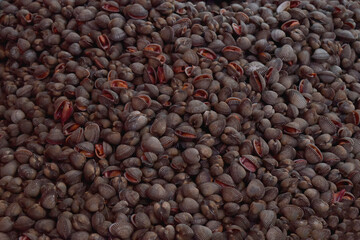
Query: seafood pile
x=179, y=120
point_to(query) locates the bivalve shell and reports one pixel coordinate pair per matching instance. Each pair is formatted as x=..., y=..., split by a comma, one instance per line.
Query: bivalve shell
x=121, y=229
x=292, y=212
x=267, y=218
x=296, y=98
x=313, y=154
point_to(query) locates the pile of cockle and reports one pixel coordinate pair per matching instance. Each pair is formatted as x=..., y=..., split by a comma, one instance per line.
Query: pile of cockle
x=165, y=119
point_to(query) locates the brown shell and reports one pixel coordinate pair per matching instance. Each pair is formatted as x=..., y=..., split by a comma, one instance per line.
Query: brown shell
x=296, y=98
x=313, y=154
x=292, y=212
x=121, y=229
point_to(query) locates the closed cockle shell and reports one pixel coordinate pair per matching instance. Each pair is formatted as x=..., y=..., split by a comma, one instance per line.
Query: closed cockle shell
x=237, y=172
x=92, y=132
x=25, y=171
x=313, y=154
x=196, y=106
x=292, y=212
x=81, y=222
x=231, y=135
x=296, y=98
x=36, y=212
x=245, y=107
x=209, y=209
x=22, y=155
x=216, y=45
x=167, y=33
x=217, y=127
x=121, y=229
x=326, y=125
x=286, y=53
x=189, y=205
x=124, y=151
x=190, y=190
x=158, y=127
x=269, y=97
x=162, y=210
x=319, y=205
x=283, y=7
x=151, y=144
x=321, y=233
x=136, y=11
x=117, y=34
x=141, y=220
x=184, y=231
x=48, y=199
x=255, y=189
x=345, y=35
x=106, y=190
x=222, y=108
x=320, y=183
x=231, y=194
x=156, y=192
x=55, y=136
x=326, y=76
x=23, y=223
x=135, y=121
x=165, y=8
x=274, y=233
x=64, y=227
x=191, y=57
x=72, y=177
x=271, y=192
x=322, y=168
x=83, y=14
x=191, y=156
x=320, y=55
x=209, y=188
x=149, y=158
x=201, y=232
x=277, y=35
x=17, y=115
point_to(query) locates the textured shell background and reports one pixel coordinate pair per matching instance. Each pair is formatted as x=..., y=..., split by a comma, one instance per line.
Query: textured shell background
x=169, y=119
